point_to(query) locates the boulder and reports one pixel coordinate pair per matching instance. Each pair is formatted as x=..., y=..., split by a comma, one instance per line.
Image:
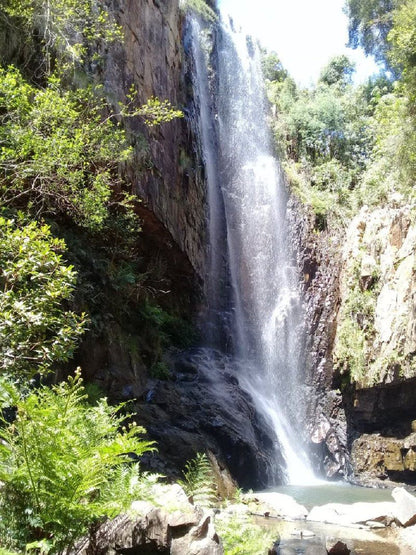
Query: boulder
x=335, y=547
x=174, y=528
x=405, y=511
x=356, y=513
x=278, y=504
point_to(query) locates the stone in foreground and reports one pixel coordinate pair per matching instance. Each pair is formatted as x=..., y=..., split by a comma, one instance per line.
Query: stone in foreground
x=356, y=513
x=278, y=504
x=174, y=528
x=405, y=507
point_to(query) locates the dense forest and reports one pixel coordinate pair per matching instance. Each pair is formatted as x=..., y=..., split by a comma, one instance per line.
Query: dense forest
x=73, y=262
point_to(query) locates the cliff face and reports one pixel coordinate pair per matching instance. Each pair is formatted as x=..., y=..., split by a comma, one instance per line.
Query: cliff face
x=165, y=172
x=360, y=302
x=378, y=298
x=188, y=411
x=319, y=262
x=376, y=343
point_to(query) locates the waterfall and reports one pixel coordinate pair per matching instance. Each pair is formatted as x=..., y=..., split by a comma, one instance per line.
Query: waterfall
x=249, y=252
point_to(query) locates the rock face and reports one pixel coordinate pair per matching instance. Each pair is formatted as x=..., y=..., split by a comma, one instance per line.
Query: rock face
x=377, y=456
x=205, y=409
x=377, y=318
x=374, y=345
x=166, y=172
x=360, y=302
x=173, y=527
x=319, y=261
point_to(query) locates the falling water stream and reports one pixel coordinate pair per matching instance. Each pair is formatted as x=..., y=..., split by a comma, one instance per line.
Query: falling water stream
x=249, y=245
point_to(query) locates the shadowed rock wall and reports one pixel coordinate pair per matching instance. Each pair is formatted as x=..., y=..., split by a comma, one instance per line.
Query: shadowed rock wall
x=166, y=172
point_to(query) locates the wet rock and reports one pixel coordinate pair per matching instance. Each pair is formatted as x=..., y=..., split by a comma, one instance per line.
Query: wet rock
x=356, y=513
x=335, y=547
x=278, y=504
x=210, y=413
x=149, y=529
x=405, y=507
x=319, y=260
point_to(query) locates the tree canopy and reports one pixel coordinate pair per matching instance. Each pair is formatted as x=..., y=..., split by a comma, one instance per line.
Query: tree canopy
x=370, y=22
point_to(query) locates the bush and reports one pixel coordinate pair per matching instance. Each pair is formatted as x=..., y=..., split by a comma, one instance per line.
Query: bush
x=59, y=156
x=35, y=329
x=199, y=7
x=64, y=465
x=242, y=536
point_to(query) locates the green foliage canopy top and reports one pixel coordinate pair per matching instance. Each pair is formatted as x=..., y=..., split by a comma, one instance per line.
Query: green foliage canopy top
x=57, y=152
x=370, y=22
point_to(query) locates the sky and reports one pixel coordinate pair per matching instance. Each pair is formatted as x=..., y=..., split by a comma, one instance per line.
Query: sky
x=305, y=34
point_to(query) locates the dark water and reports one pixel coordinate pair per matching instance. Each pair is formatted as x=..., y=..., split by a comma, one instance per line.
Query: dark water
x=311, y=496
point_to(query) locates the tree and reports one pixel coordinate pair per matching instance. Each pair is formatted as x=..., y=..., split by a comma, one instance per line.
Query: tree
x=36, y=329
x=61, y=149
x=58, y=154
x=370, y=22
x=272, y=67
x=65, y=29
x=338, y=71
x=403, y=45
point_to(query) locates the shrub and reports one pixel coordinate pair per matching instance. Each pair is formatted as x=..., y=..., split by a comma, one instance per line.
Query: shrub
x=242, y=536
x=35, y=329
x=64, y=465
x=200, y=7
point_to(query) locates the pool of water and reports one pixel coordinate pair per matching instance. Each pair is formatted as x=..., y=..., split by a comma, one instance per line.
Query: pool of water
x=360, y=541
x=333, y=492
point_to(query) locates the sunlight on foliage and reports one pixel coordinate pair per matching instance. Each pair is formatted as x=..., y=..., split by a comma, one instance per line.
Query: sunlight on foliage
x=242, y=536
x=200, y=7
x=57, y=153
x=198, y=481
x=66, y=28
x=64, y=464
x=35, y=329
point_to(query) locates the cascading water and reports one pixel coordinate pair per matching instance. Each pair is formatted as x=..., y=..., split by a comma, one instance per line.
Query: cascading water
x=247, y=224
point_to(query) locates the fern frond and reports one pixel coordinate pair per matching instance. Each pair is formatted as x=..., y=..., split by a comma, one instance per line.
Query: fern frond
x=198, y=481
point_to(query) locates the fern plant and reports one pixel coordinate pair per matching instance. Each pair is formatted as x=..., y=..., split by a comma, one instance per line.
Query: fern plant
x=198, y=481
x=64, y=465
x=241, y=535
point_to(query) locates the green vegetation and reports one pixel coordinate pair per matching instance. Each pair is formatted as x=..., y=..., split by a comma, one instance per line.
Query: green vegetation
x=322, y=136
x=356, y=328
x=62, y=34
x=200, y=7
x=58, y=155
x=35, y=329
x=242, y=536
x=64, y=465
x=370, y=22
x=198, y=481
x=70, y=259
x=346, y=146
